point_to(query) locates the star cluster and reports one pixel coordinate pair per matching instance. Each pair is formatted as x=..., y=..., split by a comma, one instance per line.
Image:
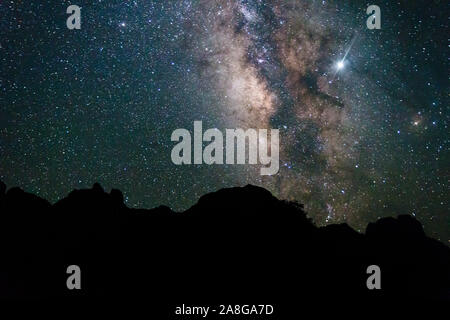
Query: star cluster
x=363, y=114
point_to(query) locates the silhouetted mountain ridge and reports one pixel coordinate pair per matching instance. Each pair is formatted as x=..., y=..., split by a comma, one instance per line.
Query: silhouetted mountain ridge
x=241, y=240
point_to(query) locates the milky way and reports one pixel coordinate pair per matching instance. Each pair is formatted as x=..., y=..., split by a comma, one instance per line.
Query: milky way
x=359, y=140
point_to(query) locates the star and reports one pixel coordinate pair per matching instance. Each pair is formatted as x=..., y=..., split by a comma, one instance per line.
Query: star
x=340, y=65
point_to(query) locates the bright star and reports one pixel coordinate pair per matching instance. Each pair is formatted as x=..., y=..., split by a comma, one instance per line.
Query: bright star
x=340, y=65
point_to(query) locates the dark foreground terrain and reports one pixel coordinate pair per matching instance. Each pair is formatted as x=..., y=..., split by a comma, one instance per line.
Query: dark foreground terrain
x=235, y=246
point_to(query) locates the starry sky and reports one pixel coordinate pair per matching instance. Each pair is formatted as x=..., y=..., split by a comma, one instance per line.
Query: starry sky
x=363, y=114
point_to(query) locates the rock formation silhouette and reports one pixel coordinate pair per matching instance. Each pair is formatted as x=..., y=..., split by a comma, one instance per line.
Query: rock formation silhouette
x=240, y=243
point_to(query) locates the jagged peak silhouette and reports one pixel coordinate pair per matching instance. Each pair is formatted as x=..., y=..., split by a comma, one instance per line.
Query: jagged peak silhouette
x=404, y=226
x=249, y=200
x=265, y=235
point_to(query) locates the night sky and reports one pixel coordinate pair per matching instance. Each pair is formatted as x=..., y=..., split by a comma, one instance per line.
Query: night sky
x=358, y=141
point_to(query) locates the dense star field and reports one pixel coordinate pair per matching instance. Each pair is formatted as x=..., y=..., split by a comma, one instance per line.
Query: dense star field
x=363, y=114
